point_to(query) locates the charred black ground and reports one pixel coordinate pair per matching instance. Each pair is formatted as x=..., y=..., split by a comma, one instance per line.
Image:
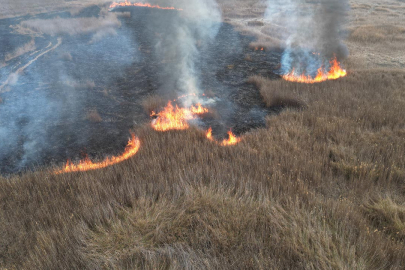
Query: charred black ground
x=112, y=80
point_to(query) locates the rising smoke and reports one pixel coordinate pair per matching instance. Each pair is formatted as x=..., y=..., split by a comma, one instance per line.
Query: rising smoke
x=191, y=30
x=45, y=94
x=55, y=67
x=312, y=32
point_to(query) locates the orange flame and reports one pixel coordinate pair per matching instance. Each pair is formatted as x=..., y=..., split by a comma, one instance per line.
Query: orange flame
x=176, y=118
x=126, y=3
x=232, y=140
x=334, y=73
x=209, y=134
x=199, y=109
x=86, y=165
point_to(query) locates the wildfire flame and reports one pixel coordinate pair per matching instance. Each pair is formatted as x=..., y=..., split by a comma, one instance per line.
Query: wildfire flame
x=176, y=118
x=209, y=134
x=86, y=165
x=171, y=118
x=126, y=3
x=232, y=139
x=334, y=73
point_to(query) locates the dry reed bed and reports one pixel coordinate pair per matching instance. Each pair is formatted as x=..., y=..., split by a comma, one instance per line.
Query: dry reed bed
x=319, y=188
x=322, y=187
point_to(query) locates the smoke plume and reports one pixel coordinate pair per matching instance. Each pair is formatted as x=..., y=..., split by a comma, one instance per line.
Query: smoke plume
x=52, y=82
x=312, y=31
x=192, y=29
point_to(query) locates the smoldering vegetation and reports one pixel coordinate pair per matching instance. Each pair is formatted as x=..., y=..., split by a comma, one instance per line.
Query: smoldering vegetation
x=320, y=188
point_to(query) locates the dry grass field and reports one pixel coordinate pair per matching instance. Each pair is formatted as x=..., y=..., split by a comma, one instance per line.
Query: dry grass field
x=321, y=187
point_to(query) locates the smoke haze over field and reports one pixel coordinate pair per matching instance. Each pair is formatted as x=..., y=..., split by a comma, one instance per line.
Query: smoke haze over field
x=30, y=46
x=312, y=31
x=56, y=68
x=72, y=26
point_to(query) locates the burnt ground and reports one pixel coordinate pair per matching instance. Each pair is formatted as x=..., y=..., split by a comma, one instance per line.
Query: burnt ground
x=112, y=77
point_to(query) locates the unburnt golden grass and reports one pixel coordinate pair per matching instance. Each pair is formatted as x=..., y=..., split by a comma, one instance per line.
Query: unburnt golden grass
x=321, y=187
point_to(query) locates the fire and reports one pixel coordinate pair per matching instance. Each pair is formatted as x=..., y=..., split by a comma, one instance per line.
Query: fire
x=127, y=3
x=232, y=139
x=209, y=134
x=173, y=117
x=199, y=109
x=176, y=118
x=86, y=165
x=168, y=119
x=334, y=73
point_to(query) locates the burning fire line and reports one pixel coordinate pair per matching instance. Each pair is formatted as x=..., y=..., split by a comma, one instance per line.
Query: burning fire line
x=170, y=118
x=175, y=118
x=129, y=4
x=334, y=73
x=232, y=140
x=86, y=165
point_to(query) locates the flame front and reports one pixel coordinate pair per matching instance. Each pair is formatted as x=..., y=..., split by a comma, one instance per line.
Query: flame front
x=209, y=134
x=86, y=165
x=334, y=73
x=232, y=139
x=176, y=118
x=126, y=3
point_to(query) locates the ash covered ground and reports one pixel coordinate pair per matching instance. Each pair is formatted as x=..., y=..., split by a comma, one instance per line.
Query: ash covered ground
x=73, y=95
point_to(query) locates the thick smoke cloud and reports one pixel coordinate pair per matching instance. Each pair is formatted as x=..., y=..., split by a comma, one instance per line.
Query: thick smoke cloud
x=313, y=31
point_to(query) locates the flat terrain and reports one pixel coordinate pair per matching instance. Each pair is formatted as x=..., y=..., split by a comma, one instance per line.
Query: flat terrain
x=321, y=187
x=375, y=30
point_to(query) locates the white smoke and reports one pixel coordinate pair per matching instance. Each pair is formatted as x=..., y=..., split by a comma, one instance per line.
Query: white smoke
x=313, y=31
x=41, y=89
x=196, y=25
x=28, y=47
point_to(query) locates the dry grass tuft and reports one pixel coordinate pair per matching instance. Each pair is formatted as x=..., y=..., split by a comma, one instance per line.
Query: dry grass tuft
x=153, y=103
x=275, y=97
x=94, y=116
x=255, y=23
x=374, y=34
x=388, y=217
